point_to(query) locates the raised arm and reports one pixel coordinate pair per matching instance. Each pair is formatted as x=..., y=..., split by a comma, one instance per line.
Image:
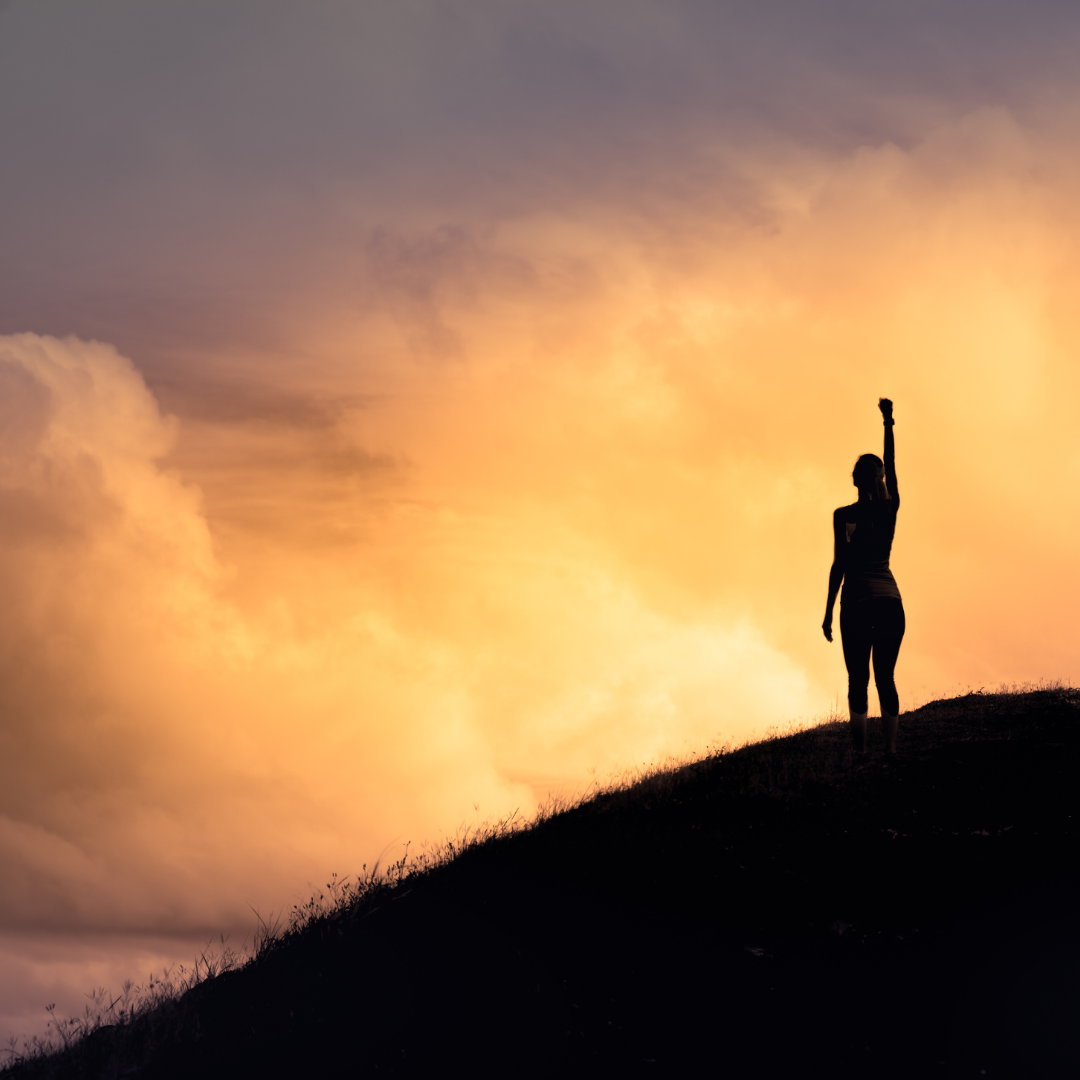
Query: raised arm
x=885, y=405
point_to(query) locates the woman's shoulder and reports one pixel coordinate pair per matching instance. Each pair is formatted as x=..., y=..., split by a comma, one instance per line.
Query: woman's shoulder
x=845, y=513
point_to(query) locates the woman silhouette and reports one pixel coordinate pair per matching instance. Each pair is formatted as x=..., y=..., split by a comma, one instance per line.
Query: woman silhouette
x=871, y=611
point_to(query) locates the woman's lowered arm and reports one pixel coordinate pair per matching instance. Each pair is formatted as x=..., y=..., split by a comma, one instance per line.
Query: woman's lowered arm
x=836, y=575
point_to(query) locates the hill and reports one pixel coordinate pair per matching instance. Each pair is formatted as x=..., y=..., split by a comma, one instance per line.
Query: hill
x=783, y=909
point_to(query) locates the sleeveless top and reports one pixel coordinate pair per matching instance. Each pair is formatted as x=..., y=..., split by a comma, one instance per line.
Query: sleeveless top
x=864, y=536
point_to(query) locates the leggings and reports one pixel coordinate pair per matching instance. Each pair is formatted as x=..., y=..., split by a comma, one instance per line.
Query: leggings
x=875, y=625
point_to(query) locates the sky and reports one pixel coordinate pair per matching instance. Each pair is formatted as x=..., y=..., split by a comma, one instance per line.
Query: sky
x=412, y=409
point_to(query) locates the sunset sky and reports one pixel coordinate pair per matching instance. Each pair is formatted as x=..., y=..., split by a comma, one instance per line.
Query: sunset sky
x=408, y=409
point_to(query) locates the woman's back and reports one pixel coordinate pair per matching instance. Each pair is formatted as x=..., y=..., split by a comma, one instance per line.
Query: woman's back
x=864, y=537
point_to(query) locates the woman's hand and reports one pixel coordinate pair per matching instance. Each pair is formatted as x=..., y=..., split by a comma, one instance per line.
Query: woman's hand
x=826, y=627
x=885, y=405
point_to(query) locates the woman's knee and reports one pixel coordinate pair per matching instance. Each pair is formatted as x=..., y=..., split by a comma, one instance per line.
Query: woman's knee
x=888, y=696
x=858, y=695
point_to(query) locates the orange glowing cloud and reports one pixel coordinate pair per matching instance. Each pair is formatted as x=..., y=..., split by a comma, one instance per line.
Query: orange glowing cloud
x=486, y=445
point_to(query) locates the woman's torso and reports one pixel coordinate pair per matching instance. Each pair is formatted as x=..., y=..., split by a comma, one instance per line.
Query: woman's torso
x=865, y=533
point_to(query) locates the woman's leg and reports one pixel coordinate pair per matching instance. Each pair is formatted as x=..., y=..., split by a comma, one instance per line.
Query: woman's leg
x=889, y=626
x=856, y=637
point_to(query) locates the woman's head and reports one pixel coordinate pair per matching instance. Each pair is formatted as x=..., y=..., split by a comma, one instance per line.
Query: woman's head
x=869, y=475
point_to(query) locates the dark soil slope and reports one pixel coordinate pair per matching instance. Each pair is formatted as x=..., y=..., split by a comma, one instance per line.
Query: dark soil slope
x=783, y=910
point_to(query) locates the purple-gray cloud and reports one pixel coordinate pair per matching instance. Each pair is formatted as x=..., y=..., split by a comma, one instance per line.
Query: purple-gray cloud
x=168, y=166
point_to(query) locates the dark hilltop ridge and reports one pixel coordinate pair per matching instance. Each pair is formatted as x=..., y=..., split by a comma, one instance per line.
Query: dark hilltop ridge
x=784, y=909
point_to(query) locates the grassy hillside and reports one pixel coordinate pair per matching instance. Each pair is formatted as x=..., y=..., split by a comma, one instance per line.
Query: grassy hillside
x=784, y=909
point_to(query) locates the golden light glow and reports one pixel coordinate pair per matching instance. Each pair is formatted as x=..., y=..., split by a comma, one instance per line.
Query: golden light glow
x=548, y=501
